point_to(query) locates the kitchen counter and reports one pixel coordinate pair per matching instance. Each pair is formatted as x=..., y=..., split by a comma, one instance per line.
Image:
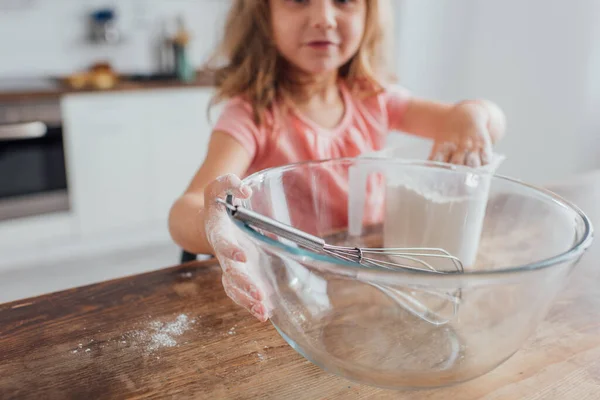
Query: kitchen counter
x=56, y=88
x=174, y=333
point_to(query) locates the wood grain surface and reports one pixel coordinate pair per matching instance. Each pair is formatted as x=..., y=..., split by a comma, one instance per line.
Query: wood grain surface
x=174, y=334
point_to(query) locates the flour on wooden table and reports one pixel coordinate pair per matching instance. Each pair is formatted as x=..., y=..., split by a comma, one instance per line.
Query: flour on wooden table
x=159, y=334
x=163, y=334
x=155, y=335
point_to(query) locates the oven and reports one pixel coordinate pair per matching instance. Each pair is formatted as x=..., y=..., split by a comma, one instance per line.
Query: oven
x=33, y=174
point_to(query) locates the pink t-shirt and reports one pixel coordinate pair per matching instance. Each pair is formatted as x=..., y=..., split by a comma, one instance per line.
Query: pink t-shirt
x=291, y=137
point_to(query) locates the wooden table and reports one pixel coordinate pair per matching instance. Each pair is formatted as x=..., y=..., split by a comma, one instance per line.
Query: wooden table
x=174, y=334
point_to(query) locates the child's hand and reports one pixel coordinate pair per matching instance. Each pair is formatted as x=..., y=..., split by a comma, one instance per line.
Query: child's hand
x=466, y=138
x=220, y=233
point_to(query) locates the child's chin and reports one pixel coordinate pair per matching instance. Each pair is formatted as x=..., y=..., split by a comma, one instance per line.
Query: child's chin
x=317, y=68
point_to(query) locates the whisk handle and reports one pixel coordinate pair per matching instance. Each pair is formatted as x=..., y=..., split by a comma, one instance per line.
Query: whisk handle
x=267, y=224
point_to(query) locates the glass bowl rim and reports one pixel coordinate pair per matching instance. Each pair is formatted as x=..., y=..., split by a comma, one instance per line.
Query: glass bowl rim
x=574, y=251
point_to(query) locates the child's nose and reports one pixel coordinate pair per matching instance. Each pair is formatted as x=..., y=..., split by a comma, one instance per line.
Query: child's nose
x=323, y=14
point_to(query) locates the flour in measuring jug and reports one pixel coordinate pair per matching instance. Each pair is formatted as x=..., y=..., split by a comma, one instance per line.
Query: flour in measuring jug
x=454, y=224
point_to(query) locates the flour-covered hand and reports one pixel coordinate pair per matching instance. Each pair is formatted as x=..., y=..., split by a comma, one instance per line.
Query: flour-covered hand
x=238, y=279
x=465, y=138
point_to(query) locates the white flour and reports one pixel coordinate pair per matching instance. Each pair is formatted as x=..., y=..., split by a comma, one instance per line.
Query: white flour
x=163, y=335
x=158, y=334
x=416, y=220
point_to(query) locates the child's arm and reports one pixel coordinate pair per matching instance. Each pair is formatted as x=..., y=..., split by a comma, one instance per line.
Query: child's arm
x=200, y=225
x=463, y=133
x=187, y=217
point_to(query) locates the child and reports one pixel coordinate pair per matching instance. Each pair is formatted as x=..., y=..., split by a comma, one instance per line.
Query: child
x=307, y=80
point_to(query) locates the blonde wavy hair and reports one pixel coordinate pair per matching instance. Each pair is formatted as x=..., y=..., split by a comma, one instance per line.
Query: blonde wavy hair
x=246, y=63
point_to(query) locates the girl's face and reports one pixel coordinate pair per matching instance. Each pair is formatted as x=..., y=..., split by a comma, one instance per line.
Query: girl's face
x=318, y=36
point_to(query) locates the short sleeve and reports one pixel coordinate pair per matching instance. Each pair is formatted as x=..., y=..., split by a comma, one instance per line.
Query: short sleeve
x=396, y=102
x=237, y=120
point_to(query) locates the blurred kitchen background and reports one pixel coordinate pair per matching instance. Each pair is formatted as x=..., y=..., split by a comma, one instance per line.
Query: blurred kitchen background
x=103, y=114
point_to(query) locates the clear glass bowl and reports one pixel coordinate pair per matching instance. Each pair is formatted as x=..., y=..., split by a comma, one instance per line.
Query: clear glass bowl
x=375, y=325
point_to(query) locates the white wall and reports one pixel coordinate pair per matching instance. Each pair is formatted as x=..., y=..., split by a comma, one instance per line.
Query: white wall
x=48, y=37
x=539, y=59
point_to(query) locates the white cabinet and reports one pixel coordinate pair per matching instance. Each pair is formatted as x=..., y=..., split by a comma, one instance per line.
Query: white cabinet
x=178, y=141
x=107, y=156
x=130, y=154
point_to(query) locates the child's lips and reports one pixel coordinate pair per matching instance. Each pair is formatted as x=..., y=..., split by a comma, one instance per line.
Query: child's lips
x=321, y=44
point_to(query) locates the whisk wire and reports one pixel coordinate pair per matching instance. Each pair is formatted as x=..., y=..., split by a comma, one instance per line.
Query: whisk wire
x=406, y=252
x=364, y=257
x=360, y=255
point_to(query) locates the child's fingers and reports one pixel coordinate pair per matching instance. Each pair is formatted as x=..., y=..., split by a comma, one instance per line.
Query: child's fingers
x=217, y=225
x=241, y=280
x=219, y=233
x=223, y=185
x=236, y=294
x=221, y=239
x=260, y=312
x=473, y=159
x=485, y=155
x=438, y=157
x=441, y=152
x=458, y=157
x=244, y=300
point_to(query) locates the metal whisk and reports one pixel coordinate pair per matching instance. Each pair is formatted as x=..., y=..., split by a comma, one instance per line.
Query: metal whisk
x=387, y=258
